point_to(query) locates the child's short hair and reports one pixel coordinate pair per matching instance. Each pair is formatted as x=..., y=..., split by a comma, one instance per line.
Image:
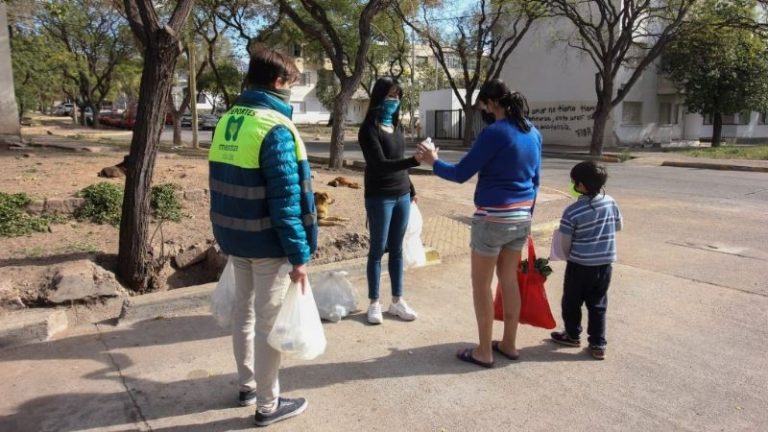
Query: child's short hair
x=267, y=65
x=591, y=175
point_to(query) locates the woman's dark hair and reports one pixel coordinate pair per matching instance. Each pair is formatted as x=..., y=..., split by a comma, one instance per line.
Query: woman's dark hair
x=514, y=103
x=591, y=175
x=267, y=65
x=381, y=89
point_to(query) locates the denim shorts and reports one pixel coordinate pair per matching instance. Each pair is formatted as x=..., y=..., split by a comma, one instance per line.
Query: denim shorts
x=489, y=237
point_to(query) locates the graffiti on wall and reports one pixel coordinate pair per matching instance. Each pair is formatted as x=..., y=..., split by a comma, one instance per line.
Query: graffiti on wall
x=563, y=120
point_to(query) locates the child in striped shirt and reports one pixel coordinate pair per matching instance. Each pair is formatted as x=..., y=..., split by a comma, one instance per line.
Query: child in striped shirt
x=588, y=237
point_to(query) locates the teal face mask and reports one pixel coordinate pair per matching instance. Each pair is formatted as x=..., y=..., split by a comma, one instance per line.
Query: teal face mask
x=572, y=190
x=388, y=109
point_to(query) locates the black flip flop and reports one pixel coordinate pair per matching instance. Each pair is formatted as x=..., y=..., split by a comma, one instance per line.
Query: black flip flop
x=496, y=347
x=466, y=355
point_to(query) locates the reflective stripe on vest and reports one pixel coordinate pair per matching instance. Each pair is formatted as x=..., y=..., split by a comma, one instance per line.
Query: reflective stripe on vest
x=248, y=192
x=240, y=133
x=253, y=225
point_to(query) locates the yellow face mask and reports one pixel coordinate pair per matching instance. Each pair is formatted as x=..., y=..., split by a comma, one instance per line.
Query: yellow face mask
x=572, y=190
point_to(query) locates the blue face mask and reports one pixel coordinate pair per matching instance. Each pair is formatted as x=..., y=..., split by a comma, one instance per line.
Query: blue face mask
x=388, y=109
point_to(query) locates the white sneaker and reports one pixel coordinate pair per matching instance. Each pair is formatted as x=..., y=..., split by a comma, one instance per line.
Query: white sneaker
x=402, y=310
x=374, y=313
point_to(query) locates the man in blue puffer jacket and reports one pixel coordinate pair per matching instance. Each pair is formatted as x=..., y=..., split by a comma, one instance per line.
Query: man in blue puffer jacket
x=263, y=216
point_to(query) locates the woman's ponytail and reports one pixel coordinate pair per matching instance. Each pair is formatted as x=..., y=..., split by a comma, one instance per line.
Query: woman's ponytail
x=516, y=107
x=514, y=103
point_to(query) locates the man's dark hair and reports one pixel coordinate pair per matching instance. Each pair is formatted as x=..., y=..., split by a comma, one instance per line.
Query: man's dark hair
x=267, y=65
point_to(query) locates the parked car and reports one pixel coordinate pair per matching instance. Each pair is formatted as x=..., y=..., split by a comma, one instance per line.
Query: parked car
x=64, y=109
x=208, y=121
x=186, y=120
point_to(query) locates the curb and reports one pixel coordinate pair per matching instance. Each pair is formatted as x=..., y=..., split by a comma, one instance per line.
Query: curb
x=360, y=165
x=169, y=303
x=30, y=326
x=712, y=166
x=164, y=304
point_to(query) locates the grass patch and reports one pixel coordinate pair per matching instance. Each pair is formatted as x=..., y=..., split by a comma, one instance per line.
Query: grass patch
x=759, y=152
x=80, y=246
x=15, y=221
x=33, y=252
x=625, y=155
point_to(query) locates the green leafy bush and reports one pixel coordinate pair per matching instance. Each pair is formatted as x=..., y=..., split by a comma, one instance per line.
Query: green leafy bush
x=103, y=203
x=14, y=220
x=165, y=203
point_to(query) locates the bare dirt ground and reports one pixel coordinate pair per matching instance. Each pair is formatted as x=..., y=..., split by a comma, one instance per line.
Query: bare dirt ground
x=42, y=173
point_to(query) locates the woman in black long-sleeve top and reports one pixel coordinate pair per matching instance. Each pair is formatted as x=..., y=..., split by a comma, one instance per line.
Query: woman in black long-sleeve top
x=388, y=194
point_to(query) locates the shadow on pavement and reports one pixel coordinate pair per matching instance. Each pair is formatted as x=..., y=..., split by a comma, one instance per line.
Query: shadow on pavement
x=152, y=400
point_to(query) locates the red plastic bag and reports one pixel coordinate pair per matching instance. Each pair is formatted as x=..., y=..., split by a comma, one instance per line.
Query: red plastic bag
x=534, y=306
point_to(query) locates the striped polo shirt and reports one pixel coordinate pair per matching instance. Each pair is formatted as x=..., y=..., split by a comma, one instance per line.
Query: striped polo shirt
x=592, y=226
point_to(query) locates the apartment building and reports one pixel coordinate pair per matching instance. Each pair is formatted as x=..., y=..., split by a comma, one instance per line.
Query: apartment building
x=559, y=84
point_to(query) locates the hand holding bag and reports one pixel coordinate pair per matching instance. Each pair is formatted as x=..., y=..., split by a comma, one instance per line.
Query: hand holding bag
x=534, y=305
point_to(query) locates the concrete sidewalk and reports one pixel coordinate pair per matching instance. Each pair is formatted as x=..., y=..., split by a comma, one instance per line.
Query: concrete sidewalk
x=688, y=358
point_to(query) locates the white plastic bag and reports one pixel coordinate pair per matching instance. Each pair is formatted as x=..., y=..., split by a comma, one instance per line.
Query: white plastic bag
x=556, y=250
x=297, y=331
x=335, y=296
x=223, y=297
x=414, y=254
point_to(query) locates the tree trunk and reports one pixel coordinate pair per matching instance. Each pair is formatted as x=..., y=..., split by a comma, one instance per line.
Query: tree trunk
x=717, y=129
x=468, y=126
x=600, y=121
x=95, y=117
x=192, y=85
x=176, y=128
x=134, y=258
x=339, y=115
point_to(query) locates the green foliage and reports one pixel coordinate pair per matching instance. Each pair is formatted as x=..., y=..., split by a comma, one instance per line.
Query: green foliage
x=229, y=81
x=542, y=266
x=722, y=69
x=103, y=203
x=327, y=88
x=732, y=152
x=625, y=155
x=14, y=220
x=36, y=61
x=165, y=203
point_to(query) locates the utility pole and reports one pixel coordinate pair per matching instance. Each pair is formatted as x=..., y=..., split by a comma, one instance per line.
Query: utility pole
x=193, y=91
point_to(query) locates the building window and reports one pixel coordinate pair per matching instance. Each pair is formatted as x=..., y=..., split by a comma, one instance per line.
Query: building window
x=452, y=61
x=763, y=118
x=632, y=113
x=668, y=113
x=422, y=61
x=297, y=50
x=305, y=79
x=745, y=117
x=299, y=107
x=728, y=119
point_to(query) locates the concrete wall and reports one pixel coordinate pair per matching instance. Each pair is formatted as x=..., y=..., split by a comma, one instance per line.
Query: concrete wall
x=9, y=116
x=557, y=81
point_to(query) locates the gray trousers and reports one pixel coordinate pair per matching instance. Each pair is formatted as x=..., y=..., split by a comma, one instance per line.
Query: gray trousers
x=260, y=289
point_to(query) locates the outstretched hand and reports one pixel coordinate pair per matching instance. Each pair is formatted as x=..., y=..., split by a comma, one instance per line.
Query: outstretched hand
x=426, y=154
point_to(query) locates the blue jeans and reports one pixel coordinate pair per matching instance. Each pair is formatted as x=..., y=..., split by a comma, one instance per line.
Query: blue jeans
x=387, y=220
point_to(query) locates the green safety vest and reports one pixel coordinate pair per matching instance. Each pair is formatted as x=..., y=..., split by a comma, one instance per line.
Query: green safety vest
x=241, y=131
